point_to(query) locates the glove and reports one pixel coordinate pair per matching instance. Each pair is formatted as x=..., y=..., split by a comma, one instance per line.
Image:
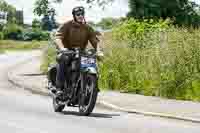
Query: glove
x=100, y=54
x=60, y=53
x=63, y=49
x=58, y=57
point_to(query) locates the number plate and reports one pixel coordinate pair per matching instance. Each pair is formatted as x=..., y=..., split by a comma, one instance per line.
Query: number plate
x=88, y=62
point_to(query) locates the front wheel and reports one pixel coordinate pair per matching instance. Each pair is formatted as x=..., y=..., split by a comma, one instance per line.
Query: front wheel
x=88, y=94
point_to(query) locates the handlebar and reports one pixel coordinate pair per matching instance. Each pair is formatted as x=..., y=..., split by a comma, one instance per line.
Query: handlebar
x=78, y=51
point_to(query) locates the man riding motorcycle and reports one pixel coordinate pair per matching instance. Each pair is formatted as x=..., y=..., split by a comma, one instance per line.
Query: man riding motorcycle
x=73, y=34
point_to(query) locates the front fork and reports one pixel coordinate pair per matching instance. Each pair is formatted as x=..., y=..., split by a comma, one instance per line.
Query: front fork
x=82, y=88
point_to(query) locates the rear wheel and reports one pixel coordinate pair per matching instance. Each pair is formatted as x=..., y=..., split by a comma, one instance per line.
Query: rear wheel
x=88, y=95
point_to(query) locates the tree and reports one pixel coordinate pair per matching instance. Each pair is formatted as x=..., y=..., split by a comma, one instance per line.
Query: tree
x=182, y=10
x=101, y=3
x=36, y=24
x=43, y=8
x=48, y=23
x=5, y=7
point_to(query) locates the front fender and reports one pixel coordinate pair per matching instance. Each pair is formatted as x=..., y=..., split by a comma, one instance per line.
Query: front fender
x=90, y=70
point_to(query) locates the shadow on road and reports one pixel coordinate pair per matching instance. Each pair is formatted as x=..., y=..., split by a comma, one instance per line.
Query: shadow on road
x=95, y=115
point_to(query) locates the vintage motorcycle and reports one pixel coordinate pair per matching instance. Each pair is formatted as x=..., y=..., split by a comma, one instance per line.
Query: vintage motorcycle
x=81, y=87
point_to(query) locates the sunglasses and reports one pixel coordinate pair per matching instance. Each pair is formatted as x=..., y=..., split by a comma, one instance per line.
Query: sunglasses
x=79, y=14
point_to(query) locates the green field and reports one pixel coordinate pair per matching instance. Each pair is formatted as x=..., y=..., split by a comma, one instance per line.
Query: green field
x=21, y=45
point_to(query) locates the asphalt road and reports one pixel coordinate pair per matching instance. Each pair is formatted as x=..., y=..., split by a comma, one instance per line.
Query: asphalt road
x=23, y=112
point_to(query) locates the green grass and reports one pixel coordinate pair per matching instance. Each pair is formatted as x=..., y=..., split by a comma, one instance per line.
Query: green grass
x=21, y=45
x=169, y=67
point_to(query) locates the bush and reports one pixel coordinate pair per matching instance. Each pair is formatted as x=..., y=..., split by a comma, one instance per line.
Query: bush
x=35, y=34
x=136, y=32
x=13, y=31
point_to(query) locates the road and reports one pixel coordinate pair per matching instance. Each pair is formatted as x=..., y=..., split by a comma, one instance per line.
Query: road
x=23, y=112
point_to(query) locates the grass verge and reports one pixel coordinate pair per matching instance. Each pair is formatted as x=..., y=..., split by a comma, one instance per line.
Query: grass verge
x=21, y=45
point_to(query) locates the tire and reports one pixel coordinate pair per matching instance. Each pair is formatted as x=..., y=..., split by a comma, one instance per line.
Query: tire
x=93, y=96
x=57, y=107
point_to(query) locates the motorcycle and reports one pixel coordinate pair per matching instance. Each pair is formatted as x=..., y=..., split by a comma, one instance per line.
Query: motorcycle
x=81, y=87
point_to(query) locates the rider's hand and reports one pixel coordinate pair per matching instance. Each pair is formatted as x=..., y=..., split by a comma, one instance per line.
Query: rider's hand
x=60, y=53
x=63, y=49
x=100, y=54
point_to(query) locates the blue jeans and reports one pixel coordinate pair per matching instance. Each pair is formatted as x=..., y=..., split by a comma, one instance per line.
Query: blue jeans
x=62, y=70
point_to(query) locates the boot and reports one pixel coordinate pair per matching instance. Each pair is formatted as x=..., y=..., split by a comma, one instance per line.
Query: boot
x=59, y=91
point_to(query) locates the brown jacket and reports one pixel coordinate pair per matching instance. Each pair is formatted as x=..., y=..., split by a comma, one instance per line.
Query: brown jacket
x=73, y=35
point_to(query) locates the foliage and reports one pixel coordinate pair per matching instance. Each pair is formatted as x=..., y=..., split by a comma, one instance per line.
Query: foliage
x=170, y=68
x=135, y=32
x=12, y=31
x=4, y=6
x=15, y=32
x=48, y=22
x=183, y=11
x=35, y=34
x=108, y=23
x=36, y=24
x=43, y=8
x=91, y=23
x=101, y=3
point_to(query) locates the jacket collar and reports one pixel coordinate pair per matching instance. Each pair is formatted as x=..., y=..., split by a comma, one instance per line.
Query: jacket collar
x=74, y=23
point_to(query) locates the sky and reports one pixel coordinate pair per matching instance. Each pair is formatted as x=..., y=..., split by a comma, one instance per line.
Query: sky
x=117, y=9
x=197, y=1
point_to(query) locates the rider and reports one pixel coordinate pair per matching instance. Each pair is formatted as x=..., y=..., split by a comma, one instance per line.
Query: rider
x=73, y=34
